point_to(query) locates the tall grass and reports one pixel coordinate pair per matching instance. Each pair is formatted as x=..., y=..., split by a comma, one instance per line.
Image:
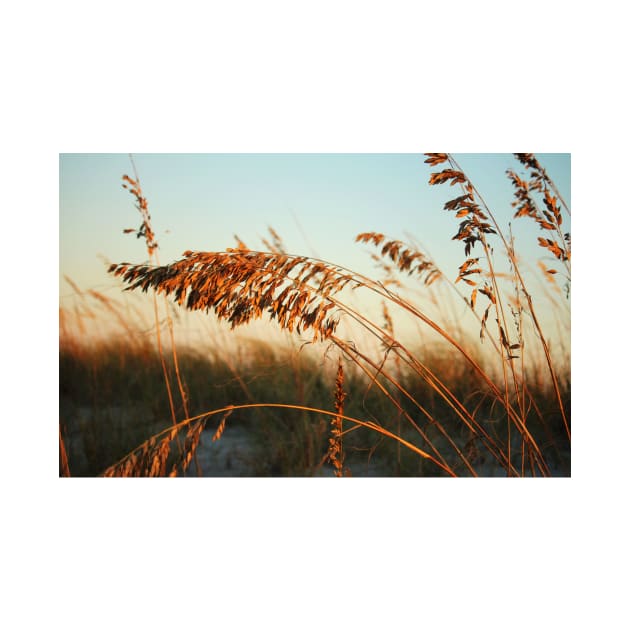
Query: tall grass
x=497, y=405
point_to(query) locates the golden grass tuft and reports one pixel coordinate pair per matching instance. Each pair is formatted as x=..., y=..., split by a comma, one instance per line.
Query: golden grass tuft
x=242, y=285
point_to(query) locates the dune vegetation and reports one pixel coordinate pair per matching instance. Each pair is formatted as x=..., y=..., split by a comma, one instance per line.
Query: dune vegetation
x=350, y=392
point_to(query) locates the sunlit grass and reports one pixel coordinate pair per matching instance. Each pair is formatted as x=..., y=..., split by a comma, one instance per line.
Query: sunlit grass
x=452, y=374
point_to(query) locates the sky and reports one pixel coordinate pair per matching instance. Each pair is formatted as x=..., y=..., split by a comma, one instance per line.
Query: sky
x=318, y=203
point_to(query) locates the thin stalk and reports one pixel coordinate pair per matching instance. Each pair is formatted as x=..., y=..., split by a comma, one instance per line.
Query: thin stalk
x=65, y=467
x=152, y=250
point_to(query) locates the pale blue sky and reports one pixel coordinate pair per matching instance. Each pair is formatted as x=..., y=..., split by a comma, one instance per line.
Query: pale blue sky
x=318, y=203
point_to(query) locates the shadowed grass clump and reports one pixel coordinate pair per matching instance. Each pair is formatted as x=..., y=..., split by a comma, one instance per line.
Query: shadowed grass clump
x=112, y=399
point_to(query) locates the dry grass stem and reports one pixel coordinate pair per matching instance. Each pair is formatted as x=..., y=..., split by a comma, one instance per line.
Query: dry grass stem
x=335, y=449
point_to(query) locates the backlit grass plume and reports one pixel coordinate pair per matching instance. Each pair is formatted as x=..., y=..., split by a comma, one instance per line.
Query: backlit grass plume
x=240, y=286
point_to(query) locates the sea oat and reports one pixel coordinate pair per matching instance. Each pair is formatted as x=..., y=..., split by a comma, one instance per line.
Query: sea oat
x=549, y=219
x=404, y=257
x=335, y=449
x=219, y=432
x=241, y=286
